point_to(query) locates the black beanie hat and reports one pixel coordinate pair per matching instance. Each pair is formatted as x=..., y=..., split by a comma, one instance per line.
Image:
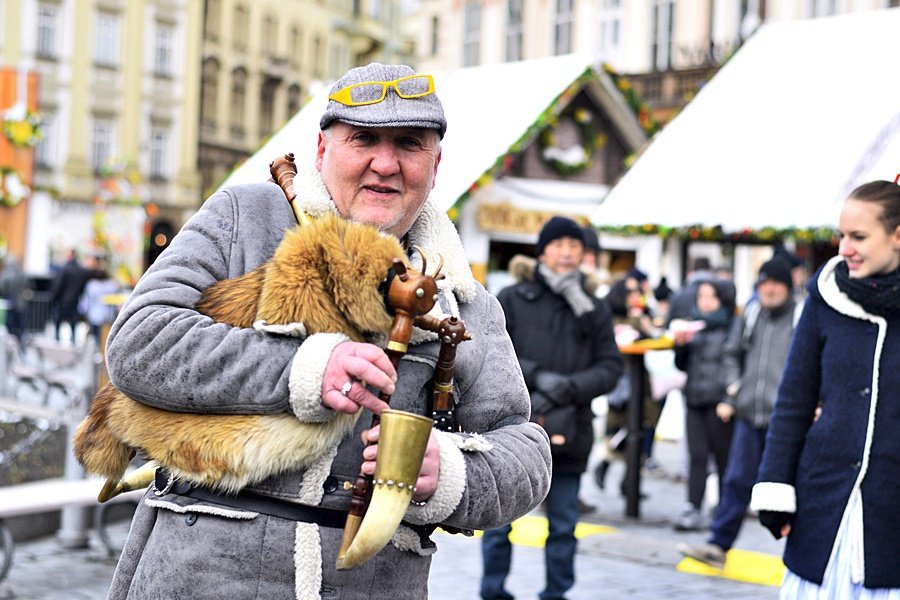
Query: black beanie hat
x=775, y=270
x=556, y=228
x=591, y=239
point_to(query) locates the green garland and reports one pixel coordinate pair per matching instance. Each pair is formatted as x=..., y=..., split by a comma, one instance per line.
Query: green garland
x=644, y=117
x=716, y=234
x=553, y=156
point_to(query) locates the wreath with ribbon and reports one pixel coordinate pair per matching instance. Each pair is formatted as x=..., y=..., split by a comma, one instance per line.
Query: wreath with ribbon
x=576, y=158
x=12, y=188
x=23, y=129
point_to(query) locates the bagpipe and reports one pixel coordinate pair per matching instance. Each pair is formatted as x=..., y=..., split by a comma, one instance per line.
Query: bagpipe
x=345, y=278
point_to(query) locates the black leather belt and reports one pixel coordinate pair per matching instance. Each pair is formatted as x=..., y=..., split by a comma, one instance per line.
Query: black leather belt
x=164, y=483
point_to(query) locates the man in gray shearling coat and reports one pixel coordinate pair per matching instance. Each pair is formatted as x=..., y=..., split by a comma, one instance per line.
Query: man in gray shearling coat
x=376, y=164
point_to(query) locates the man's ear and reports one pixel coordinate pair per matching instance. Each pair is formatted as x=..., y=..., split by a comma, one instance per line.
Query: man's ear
x=437, y=161
x=320, y=152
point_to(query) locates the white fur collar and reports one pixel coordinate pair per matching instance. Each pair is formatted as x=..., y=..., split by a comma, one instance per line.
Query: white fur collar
x=838, y=300
x=433, y=231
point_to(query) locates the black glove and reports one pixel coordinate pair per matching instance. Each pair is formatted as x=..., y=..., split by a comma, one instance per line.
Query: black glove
x=557, y=387
x=774, y=521
x=540, y=403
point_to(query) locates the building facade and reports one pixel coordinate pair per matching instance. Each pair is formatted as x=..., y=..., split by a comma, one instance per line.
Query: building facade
x=634, y=36
x=118, y=98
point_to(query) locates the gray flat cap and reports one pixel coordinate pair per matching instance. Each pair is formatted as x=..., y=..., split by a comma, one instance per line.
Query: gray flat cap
x=393, y=111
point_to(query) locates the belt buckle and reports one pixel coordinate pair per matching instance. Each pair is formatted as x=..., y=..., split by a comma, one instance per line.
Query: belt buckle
x=166, y=488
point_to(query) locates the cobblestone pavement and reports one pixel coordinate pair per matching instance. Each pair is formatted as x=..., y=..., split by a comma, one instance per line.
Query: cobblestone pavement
x=629, y=558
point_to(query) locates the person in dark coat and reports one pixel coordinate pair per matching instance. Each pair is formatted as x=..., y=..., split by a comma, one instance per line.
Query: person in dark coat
x=67, y=289
x=564, y=340
x=699, y=355
x=13, y=286
x=830, y=474
x=753, y=361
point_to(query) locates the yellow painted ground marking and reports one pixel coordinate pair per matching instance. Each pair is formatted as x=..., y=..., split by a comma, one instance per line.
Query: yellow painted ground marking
x=740, y=565
x=532, y=531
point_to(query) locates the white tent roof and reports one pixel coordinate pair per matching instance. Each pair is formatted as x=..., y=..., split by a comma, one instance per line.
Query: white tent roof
x=488, y=109
x=804, y=112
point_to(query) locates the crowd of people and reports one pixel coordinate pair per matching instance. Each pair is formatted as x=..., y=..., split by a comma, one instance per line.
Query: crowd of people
x=78, y=294
x=790, y=406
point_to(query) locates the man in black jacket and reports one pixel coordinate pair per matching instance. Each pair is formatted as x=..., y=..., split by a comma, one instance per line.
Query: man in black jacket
x=565, y=344
x=67, y=288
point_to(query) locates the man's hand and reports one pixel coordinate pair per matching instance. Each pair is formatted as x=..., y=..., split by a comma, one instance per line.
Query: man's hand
x=361, y=365
x=683, y=338
x=426, y=484
x=557, y=387
x=540, y=403
x=724, y=411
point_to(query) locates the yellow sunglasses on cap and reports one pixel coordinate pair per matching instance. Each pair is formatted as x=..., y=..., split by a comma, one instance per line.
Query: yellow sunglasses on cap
x=373, y=92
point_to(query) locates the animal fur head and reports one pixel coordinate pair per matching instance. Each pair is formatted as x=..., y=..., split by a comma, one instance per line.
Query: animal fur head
x=326, y=275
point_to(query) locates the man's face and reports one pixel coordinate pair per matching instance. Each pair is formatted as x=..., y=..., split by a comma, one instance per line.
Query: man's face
x=772, y=294
x=379, y=176
x=562, y=255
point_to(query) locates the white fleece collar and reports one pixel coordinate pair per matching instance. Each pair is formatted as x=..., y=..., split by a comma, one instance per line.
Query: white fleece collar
x=433, y=231
x=838, y=300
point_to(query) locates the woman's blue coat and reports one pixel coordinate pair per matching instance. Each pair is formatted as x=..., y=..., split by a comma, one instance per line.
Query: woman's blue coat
x=847, y=361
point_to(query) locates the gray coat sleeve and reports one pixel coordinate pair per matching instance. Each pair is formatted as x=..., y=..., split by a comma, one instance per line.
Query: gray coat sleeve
x=162, y=352
x=732, y=359
x=507, y=459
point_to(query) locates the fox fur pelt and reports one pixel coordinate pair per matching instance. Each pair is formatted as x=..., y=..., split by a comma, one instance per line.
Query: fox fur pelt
x=324, y=275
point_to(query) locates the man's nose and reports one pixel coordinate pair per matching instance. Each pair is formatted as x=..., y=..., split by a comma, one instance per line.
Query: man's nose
x=384, y=160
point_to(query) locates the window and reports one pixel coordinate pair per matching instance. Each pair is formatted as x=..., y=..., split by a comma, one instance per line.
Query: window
x=609, y=28
x=267, y=107
x=270, y=36
x=162, y=56
x=209, y=93
x=295, y=97
x=514, y=30
x=750, y=19
x=102, y=143
x=159, y=153
x=435, y=37
x=213, y=17
x=562, y=28
x=239, y=28
x=47, y=25
x=317, y=56
x=661, y=38
x=106, y=50
x=295, y=47
x=375, y=9
x=238, y=101
x=43, y=152
x=471, y=33
x=822, y=8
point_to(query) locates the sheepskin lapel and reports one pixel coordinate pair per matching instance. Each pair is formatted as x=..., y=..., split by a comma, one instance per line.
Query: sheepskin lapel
x=433, y=231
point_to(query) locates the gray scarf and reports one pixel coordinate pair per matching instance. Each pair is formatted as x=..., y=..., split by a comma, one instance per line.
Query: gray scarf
x=568, y=285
